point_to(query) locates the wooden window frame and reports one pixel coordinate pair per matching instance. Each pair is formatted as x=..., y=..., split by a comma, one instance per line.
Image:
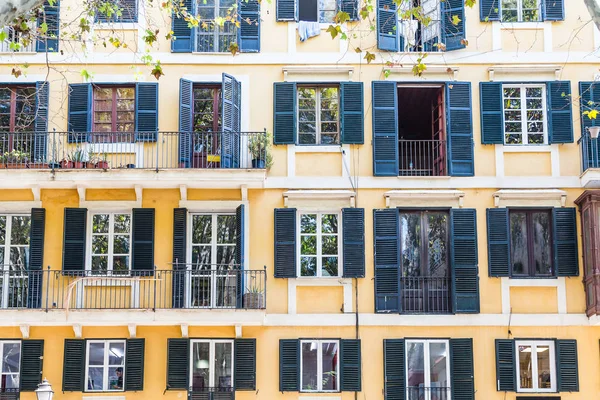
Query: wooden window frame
x=115, y=136
x=216, y=104
x=530, y=257
x=13, y=106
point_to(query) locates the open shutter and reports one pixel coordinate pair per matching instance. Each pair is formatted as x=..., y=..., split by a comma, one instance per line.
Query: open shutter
x=179, y=256
x=506, y=373
x=134, y=365
x=566, y=258
x=48, y=42
x=385, y=129
x=74, y=365
x=146, y=112
x=590, y=100
x=554, y=10
x=394, y=369
x=387, y=260
x=186, y=124
x=80, y=112
x=36, y=257
x=285, y=243
x=353, y=125
x=567, y=366
x=387, y=25
x=178, y=364
x=350, y=365
x=460, y=129
x=32, y=360
x=350, y=7
x=453, y=34
x=245, y=364
x=489, y=10
x=75, y=224
x=142, y=242
x=492, y=113
x=183, y=40
x=239, y=254
x=41, y=122
x=463, y=253
x=286, y=10
x=289, y=365
x=560, y=115
x=462, y=371
x=230, y=109
x=249, y=31
x=353, y=231
x=284, y=124
x=498, y=236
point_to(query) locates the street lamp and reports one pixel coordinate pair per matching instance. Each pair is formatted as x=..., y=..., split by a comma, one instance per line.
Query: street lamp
x=44, y=391
x=594, y=131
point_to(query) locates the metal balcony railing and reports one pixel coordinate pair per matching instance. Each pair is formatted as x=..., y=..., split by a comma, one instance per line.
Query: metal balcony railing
x=211, y=393
x=10, y=394
x=590, y=152
x=427, y=393
x=425, y=295
x=16, y=42
x=422, y=157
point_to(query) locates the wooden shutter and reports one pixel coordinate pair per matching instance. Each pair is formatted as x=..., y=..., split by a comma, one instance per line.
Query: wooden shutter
x=462, y=371
x=180, y=216
x=387, y=260
x=394, y=369
x=350, y=365
x=134, y=365
x=560, y=115
x=74, y=242
x=142, y=241
x=74, y=366
x=464, y=260
x=492, y=113
x=146, y=112
x=387, y=25
x=239, y=254
x=589, y=94
x=231, y=121
x=286, y=10
x=352, y=113
x=48, y=42
x=285, y=243
x=453, y=34
x=284, y=103
x=353, y=231
x=459, y=129
x=289, y=365
x=249, y=30
x=567, y=366
x=554, y=10
x=36, y=257
x=183, y=34
x=506, y=372
x=385, y=128
x=186, y=124
x=40, y=142
x=32, y=360
x=178, y=364
x=80, y=112
x=566, y=257
x=350, y=7
x=498, y=237
x=245, y=364
x=490, y=10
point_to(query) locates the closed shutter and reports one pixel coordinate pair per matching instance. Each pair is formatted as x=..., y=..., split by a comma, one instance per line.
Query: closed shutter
x=186, y=124
x=179, y=256
x=80, y=112
x=453, y=34
x=182, y=32
x=498, y=236
x=289, y=365
x=245, y=364
x=74, y=365
x=285, y=243
x=178, y=364
x=286, y=10
x=353, y=125
x=48, y=42
x=385, y=129
x=506, y=373
x=32, y=360
x=350, y=365
x=127, y=10
x=353, y=231
x=394, y=369
x=566, y=257
x=231, y=121
x=589, y=94
x=249, y=31
x=554, y=10
x=387, y=25
x=74, y=239
x=492, y=113
x=560, y=115
x=350, y=7
x=146, y=112
x=142, y=249
x=134, y=365
x=462, y=371
x=464, y=260
x=284, y=103
x=459, y=129
x=239, y=254
x=387, y=260
x=567, y=366
x=489, y=10
x=36, y=257
x=40, y=142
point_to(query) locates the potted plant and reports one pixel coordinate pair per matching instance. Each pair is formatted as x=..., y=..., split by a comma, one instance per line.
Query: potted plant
x=254, y=298
x=259, y=146
x=2, y=161
x=77, y=158
x=103, y=163
x=16, y=159
x=66, y=163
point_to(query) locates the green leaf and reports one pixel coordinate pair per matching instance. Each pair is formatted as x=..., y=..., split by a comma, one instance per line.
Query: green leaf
x=333, y=30
x=3, y=36
x=44, y=27
x=369, y=57
x=470, y=3
x=456, y=20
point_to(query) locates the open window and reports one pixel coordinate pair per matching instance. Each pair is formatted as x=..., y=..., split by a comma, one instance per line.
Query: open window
x=323, y=11
x=423, y=33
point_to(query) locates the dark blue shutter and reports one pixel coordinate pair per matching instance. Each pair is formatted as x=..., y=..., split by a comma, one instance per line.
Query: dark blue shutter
x=249, y=30
x=554, y=10
x=350, y=7
x=350, y=365
x=231, y=120
x=387, y=25
x=178, y=364
x=464, y=260
x=453, y=35
x=352, y=111
x=134, y=365
x=498, y=237
x=74, y=366
x=385, y=129
x=245, y=364
x=180, y=216
x=461, y=369
x=489, y=10
x=353, y=231
x=239, y=254
x=142, y=241
x=285, y=243
x=74, y=239
x=589, y=94
x=560, y=115
x=566, y=257
x=394, y=369
x=387, y=260
x=289, y=365
x=567, y=366
x=146, y=112
x=182, y=32
x=284, y=114
x=459, y=122
x=32, y=360
x=186, y=124
x=41, y=122
x=80, y=112
x=48, y=42
x=36, y=257
x=492, y=113
x=506, y=372
x=286, y=10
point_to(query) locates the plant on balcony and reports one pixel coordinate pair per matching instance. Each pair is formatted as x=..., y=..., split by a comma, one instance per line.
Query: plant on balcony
x=77, y=158
x=97, y=159
x=15, y=159
x=259, y=146
x=254, y=298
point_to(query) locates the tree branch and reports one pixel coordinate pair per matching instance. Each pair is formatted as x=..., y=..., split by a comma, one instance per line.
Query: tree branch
x=594, y=9
x=11, y=9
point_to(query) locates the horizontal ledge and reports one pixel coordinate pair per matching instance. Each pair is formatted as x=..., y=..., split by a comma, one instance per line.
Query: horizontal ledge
x=321, y=69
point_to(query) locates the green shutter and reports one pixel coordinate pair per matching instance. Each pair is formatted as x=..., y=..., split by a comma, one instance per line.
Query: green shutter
x=459, y=125
x=394, y=369
x=75, y=224
x=385, y=128
x=462, y=371
x=498, y=237
x=352, y=112
x=387, y=25
x=180, y=216
x=80, y=116
x=492, y=113
x=350, y=365
x=182, y=32
x=353, y=232
x=554, y=10
x=74, y=365
x=289, y=365
x=560, y=115
x=134, y=365
x=186, y=123
x=464, y=260
x=506, y=373
x=32, y=360
x=142, y=241
x=567, y=366
x=286, y=10
x=284, y=114
x=245, y=364
x=178, y=364
x=285, y=243
x=350, y=7
x=146, y=112
x=36, y=257
x=566, y=257
x=387, y=260
x=40, y=142
x=489, y=10
x=453, y=25
x=249, y=30
x=48, y=42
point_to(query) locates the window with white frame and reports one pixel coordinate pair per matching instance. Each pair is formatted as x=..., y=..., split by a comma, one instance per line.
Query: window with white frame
x=521, y=10
x=319, y=366
x=319, y=244
x=10, y=354
x=110, y=243
x=323, y=11
x=211, y=365
x=105, y=365
x=318, y=115
x=536, y=366
x=419, y=36
x=14, y=241
x=427, y=369
x=213, y=36
x=525, y=121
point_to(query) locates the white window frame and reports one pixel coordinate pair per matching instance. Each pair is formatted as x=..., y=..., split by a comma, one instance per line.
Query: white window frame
x=520, y=11
x=534, y=366
x=320, y=343
x=7, y=277
x=2, y=343
x=427, y=365
x=523, y=88
x=318, y=235
x=211, y=361
x=105, y=366
x=318, y=110
x=216, y=33
x=214, y=232
x=408, y=27
x=7, y=240
x=111, y=235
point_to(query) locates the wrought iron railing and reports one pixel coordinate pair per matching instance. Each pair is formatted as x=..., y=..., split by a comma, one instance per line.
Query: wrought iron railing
x=211, y=393
x=428, y=393
x=425, y=295
x=590, y=152
x=16, y=41
x=422, y=157
x=10, y=394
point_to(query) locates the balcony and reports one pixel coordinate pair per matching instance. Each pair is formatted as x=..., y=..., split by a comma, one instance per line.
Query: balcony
x=422, y=158
x=16, y=42
x=425, y=295
x=590, y=161
x=10, y=394
x=428, y=393
x=211, y=393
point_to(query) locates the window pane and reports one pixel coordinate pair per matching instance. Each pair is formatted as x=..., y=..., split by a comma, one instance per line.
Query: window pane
x=19, y=256
x=100, y=244
x=202, y=229
x=20, y=230
x=309, y=366
x=543, y=365
x=99, y=264
x=330, y=266
x=410, y=233
x=222, y=365
x=122, y=223
x=327, y=11
x=438, y=356
x=329, y=245
x=415, y=366
x=542, y=243
x=96, y=354
x=518, y=243
x=329, y=223
x=2, y=230
x=115, y=378
x=308, y=245
x=525, y=367
x=201, y=366
x=120, y=264
x=226, y=229
x=121, y=244
x=225, y=255
x=437, y=246
x=308, y=223
x=95, y=378
x=308, y=266
x=329, y=365
x=100, y=223
x=12, y=358
x=201, y=255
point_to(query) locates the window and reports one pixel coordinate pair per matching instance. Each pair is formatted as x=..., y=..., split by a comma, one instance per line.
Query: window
x=17, y=114
x=105, y=365
x=213, y=37
x=427, y=370
x=536, y=367
x=207, y=124
x=323, y=11
x=319, y=366
x=119, y=11
x=212, y=365
x=419, y=36
x=111, y=243
x=114, y=113
x=10, y=354
x=319, y=244
x=531, y=243
x=525, y=114
x=521, y=10
x=14, y=256
x=318, y=115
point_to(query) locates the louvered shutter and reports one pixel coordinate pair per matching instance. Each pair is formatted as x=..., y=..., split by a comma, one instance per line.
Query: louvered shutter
x=492, y=113
x=589, y=94
x=48, y=42
x=567, y=366
x=464, y=260
x=462, y=371
x=554, y=10
x=146, y=112
x=459, y=129
x=284, y=103
x=285, y=243
x=36, y=257
x=498, y=236
x=186, y=124
x=182, y=41
x=179, y=256
x=394, y=369
x=353, y=231
x=387, y=260
x=128, y=12
x=489, y=10
x=385, y=129
x=350, y=365
x=387, y=25
x=134, y=365
x=453, y=34
x=239, y=254
x=245, y=364
x=249, y=30
x=350, y=7
x=231, y=121
x=289, y=365
x=351, y=111
x=75, y=224
x=40, y=142
x=506, y=373
x=560, y=116
x=566, y=257
x=80, y=112
x=286, y=10
x=32, y=360
x=74, y=366
x=142, y=241
x=178, y=364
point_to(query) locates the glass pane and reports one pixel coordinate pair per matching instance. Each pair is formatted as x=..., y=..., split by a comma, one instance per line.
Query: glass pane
x=226, y=229
x=518, y=243
x=121, y=244
x=437, y=244
x=100, y=223
x=330, y=266
x=410, y=236
x=543, y=364
x=525, y=367
x=122, y=223
x=542, y=243
x=309, y=366
x=415, y=366
x=2, y=230
x=115, y=378
x=116, y=353
x=438, y=356
x=329, y=245
x=225, y=255
x=308, y=245
x=201, y=366
x=201, y=255
x=202, y=229
x=10, y=381
x=20, y=230
x=329, y=366
x=95, y=378
x=99, y=264
x=329, y=223
x=308, y=223
x=12, y=357
x=100, y=244
x=223, y=372
x=120, y=263
x=96, y=354
x=308, y=266
x=19, y=257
